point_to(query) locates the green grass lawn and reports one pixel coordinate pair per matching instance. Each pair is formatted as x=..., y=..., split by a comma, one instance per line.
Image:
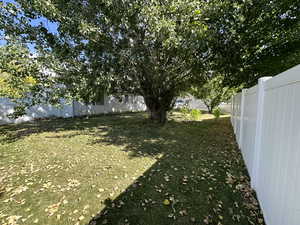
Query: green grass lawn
x=121, y=169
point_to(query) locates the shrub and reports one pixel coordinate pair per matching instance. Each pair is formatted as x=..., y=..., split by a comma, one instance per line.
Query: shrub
x=185, y=111
x=196, y=114
x=217, y=112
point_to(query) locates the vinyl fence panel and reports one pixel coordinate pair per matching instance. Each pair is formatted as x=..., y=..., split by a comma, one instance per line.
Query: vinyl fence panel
x=236, y=113
x=270, y=134
x=249, y=126
x=71, y=109
x=65, y=110
x=111, y=104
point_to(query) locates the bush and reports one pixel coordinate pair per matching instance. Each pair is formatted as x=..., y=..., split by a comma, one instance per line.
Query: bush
x=217, y=112
x=196, y=114
x=185, y=111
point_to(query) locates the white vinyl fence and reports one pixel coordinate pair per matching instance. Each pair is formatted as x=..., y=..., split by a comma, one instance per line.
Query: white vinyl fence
x=110, y=105
x=266, y=121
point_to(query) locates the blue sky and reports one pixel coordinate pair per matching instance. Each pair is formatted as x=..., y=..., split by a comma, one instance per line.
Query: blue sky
x=51, y=27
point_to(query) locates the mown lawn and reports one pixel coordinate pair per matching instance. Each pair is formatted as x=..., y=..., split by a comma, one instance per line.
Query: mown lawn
x=120, y=169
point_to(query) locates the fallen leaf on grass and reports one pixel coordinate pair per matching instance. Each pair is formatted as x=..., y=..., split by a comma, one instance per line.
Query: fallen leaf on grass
x=19, y=190
x=12, y=220
x=166, y=202
x=73, y=183
x=52, y=209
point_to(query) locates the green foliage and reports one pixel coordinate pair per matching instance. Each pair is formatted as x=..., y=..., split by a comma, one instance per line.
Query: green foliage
x=156, y=49
x=250, y=34
x=213, y=92
x=278, y=60
x=20, y=77
x=25, y=78
x=18, y=71
x=19, y=110
x=185, y=111
x=196, y=114
x=125, y=47
x=217, y=112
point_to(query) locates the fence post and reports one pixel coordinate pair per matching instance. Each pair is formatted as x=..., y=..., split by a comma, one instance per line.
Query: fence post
x=233, y=115
x=231, y=110
x=242, y=117
x=258, y=131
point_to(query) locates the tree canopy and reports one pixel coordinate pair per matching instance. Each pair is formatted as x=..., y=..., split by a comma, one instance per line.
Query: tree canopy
x=213, y=92
x=156, y=49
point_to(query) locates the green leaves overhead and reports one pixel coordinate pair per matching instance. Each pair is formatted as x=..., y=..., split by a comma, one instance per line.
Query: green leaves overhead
x=245, y=33
x=156, y=49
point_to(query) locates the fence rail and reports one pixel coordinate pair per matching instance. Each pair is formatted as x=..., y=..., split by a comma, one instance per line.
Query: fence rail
x=266, y=122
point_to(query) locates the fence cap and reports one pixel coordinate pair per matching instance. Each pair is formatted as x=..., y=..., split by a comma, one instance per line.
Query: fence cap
x=263, y=79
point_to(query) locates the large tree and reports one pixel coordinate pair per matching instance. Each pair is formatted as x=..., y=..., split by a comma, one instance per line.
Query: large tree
x=156, y=49
x=147, y=48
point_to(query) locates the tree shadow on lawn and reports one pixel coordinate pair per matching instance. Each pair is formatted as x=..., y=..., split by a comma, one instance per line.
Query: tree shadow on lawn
x=13, y=132
x=199, y=170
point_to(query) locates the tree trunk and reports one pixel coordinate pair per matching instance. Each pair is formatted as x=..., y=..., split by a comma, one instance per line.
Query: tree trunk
x=159, y=116
x=209, y=107
x=157, y=110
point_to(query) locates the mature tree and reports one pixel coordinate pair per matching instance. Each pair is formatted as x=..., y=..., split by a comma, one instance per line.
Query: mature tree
x=147, y=48
x=156, y=49
x=213, y=92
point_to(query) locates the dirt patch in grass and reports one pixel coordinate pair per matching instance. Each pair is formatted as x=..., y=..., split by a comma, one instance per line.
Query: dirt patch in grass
x=121, y=169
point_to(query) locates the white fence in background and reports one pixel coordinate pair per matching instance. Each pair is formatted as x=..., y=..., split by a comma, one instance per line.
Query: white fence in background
x=266, y=121
x=111, y=105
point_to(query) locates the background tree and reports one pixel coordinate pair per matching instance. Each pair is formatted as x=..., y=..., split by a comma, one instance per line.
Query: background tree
x=213, y=92
x=25, y=79
x=17, y=71
x=19, y=75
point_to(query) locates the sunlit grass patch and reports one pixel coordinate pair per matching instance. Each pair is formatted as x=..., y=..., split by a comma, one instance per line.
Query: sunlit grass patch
x=122, y=169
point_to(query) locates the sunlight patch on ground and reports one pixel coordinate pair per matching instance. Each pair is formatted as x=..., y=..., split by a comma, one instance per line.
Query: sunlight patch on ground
x=122, y=169
x=60, y=178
